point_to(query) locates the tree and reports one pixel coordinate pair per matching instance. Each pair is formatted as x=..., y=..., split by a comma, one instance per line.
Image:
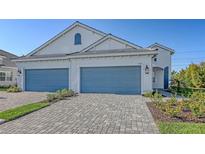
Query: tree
x=192, y=76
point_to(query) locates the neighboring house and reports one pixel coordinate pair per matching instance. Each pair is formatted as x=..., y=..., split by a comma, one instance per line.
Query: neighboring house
x=87, y=60
x=8, y=69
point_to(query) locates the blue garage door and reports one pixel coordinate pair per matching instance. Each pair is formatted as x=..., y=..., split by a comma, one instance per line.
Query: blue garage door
x=46, y=79
x=122, y=80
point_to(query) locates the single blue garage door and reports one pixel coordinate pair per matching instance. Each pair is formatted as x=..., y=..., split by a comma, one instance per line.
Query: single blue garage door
x=46, y=79
x=122, y=79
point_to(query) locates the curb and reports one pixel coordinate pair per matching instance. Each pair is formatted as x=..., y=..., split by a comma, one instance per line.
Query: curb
x=2, y=121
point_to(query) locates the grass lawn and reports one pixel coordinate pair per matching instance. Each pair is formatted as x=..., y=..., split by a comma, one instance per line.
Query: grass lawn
x=14, y=113
x=181, y=128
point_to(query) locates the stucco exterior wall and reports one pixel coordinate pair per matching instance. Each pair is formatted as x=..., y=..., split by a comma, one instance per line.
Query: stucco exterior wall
x=75, y=64
x=163, y=60
x=65, y=44
x=110, y=44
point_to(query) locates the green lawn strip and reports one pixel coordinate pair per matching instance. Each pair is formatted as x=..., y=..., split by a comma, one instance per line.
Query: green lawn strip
x=14, y=113
x=181, y=128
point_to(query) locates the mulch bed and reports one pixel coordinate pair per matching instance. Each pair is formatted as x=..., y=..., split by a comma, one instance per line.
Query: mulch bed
x=160, y=116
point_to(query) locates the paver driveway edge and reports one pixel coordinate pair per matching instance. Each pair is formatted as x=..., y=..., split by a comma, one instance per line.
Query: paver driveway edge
x=89, y=114
x=12, y=100
x=2, y=121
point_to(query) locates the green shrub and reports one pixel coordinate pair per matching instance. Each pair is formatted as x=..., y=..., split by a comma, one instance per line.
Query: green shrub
x=183, y=91
x=59, y=95
x=4, y=88
x=173, y=107
x=51, y=97
x=197, y=104
x=65, y=93
x=13, y=89
x=157, y=98
x=197, y=109
x=189, y=108
x=148, y=94
x=198, y=97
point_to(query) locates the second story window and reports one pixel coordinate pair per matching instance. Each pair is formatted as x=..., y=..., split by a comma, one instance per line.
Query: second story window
x=77, y=39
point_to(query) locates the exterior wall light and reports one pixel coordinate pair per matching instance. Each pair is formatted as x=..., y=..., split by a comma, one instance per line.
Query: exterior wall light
x=146, y=69
x=19, y=71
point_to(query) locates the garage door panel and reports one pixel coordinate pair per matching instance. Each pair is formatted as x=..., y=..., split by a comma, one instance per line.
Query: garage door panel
x=46, y=79
x=121, y=79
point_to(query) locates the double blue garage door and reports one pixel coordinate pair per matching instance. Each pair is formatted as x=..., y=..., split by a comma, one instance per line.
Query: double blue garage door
x=122, y=79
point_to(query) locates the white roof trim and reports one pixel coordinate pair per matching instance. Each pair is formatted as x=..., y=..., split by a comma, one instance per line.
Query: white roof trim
x=161, y=46
x=9, y=67
x=62, y=33
x=112, y=37
x=90, y=56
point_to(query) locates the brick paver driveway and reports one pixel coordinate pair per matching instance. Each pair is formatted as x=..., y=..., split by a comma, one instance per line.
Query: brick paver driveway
x=88, y=113
x=10, y=100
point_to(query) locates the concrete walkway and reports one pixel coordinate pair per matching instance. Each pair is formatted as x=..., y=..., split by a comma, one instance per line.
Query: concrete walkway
x=168, y=94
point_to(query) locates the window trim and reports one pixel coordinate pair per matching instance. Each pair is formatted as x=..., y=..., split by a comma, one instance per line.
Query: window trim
x=8, y=76
x=2, y=76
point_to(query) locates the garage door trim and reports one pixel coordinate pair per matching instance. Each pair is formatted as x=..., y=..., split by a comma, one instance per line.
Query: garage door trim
x=140, y=70
x=25, y=70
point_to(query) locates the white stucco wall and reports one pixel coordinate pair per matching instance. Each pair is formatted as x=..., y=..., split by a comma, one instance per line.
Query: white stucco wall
x=110, y=44
x=75, y=64
x=163, y=60
x=65, y=43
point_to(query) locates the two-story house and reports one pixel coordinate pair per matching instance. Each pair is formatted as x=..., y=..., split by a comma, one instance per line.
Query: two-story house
x=8, y=69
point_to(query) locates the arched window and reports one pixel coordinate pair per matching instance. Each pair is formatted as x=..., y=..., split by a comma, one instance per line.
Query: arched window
x=77, y=39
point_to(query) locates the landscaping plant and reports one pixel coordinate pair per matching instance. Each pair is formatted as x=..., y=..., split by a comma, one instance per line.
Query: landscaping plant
x=197, y=104
x=189, y=109
x=4, y=88
x=157, y=98
x=172, y=107
x=148, y=94
x=13, y=89
x=60, y=95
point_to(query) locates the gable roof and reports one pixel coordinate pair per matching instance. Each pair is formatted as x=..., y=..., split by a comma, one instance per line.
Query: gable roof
x=7, y=54
x=162, y=46
x=110, y=36
x=77, y=23
x=6, y=60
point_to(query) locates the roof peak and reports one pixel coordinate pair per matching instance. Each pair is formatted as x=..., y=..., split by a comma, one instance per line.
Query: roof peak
x=78, y=23
x=162, y=46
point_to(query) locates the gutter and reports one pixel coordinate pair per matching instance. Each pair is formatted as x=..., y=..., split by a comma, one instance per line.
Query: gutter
x=90, y=56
